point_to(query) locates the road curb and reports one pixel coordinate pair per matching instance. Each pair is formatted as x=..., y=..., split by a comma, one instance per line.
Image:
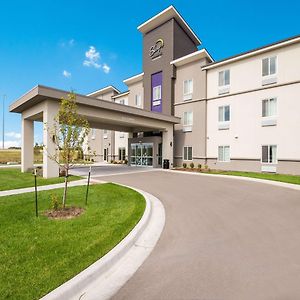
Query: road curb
x=104, y=277
x=243, y=178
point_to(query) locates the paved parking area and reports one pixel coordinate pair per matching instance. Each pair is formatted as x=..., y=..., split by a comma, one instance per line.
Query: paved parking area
x=223, y=239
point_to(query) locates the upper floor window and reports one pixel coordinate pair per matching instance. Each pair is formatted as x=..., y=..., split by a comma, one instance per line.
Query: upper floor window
x=187, y=121
x=224, y=153
x=269, y=66
x=138, y=100
x=224, y=78
x=224, y=117
x=93, y=133
x=269, y=107
x=187, y=89
x=269, y=154
x=105, y=133
x=122, y=101
x=224, y=113
x=157, y=93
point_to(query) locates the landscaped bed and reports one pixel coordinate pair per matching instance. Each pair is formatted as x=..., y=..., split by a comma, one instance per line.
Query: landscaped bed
x=39, y=254
x=13, y=178
x=267, y=176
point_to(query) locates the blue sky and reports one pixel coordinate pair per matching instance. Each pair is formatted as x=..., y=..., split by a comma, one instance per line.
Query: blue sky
x=96, y=43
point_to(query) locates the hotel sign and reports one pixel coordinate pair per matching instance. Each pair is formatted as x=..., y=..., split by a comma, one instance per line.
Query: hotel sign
x=155, y=50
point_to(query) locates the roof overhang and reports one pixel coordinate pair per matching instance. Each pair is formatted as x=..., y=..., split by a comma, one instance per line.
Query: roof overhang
x=104, y=90
x=134, y=79
x=195, y=56
x=121, y=95
x=41, y=93
x=253, y=52
x=164, y=16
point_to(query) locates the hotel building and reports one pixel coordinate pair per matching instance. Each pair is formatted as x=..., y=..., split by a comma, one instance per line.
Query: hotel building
x=240, y=113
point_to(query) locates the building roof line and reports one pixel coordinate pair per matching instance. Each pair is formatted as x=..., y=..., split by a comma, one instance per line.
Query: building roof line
x=191, y=57
x=275, y=45
x=103, y=90
x=165, y=15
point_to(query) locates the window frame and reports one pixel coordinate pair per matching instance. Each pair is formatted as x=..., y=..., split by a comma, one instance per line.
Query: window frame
x=154, y=89
x=223, y=153
x=268, y=162
x=224, y=77
x=269, y=66
x=223, y=114
x=268, y=107
x=189, y=95
x=187, y=158
x=138, y=96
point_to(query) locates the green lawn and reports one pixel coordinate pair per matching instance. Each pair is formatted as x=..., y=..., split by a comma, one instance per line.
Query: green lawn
x=13, y=178
x=275, y=177
x=38, y=254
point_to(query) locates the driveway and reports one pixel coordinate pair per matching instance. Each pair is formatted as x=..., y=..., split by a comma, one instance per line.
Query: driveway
x=223, y=239
x=108, y=169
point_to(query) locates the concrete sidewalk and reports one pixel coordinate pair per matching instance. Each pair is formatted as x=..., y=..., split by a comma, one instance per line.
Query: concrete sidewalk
x=45, y=187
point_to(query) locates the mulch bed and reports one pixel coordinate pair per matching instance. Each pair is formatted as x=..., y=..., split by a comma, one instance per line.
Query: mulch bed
x=67, y=213
x=192, y=170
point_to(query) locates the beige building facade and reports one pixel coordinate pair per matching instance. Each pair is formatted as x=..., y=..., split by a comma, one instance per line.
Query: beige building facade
x=240, y=113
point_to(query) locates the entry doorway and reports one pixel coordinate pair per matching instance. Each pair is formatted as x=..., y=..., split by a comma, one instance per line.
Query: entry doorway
x=142, y=154
x=105, y=154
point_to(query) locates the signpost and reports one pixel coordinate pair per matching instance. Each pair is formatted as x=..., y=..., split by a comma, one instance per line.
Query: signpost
x=36, y=197
x=88, y=184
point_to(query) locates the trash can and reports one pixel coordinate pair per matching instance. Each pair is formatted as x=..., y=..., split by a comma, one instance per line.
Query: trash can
x=166, y=164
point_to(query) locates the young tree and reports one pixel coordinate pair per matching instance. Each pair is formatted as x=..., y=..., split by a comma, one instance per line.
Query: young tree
x=68, y=134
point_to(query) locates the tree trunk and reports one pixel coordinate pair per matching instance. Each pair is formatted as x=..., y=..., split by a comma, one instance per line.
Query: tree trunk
x=65, y=189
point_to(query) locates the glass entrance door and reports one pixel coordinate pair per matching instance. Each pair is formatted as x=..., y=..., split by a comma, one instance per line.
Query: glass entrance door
x=142, y=154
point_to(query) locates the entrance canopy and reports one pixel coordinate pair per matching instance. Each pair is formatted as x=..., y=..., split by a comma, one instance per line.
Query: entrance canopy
x=42, y=104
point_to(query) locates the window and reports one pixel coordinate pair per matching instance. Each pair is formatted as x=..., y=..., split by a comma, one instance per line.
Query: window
x=269, y=66
x=157, y=93
x=93, y=133
x=187, y=121
x=188, y=118
x=122, y=101
x=187, y=89
x=138, y=100
x=122, y=153
x=269, y=154
x=224, y=78
x=224, y=113
x=224, y=153
x=105, y=134
x=187, y=153
x=269, y=107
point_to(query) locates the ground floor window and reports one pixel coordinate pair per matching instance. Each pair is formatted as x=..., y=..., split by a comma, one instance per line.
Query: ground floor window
x=269, y=154
x=122, y=153
x=187, y=153
x=224, y=153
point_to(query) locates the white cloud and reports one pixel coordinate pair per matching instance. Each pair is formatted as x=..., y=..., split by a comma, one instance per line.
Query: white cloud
x=13, y=134
x=69, y=43
x=92, y=58
x=106, y=68
x=66, y=74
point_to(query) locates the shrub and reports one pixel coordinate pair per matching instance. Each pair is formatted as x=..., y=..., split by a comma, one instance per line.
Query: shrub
x=206, y=167
x=184, y=165
x=55, y=205
x=199, y=166
x=111, y=161
x=192, y=165
x=125, y=161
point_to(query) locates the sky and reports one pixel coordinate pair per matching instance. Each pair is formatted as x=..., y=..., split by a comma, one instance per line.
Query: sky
x=86, y=45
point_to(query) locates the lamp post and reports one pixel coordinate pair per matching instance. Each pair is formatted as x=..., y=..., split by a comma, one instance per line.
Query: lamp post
x=3, y=114
x=88, y=184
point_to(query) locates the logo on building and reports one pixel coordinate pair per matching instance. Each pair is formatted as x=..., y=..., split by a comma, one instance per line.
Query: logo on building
x=155, y=50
